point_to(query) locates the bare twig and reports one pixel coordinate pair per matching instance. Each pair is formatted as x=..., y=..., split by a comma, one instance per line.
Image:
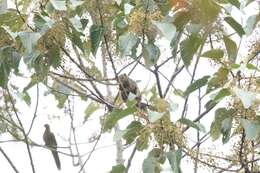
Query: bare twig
x=9, y=160
x=130, y=160
x=35, y=111
x=22, y=129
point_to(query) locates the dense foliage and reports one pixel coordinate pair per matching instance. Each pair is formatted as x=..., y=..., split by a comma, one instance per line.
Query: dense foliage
x=202, y=57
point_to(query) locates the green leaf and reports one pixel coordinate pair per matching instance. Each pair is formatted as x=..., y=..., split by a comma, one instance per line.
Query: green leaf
x=218, y=80
x=181, y=18
x=221, y=124
x=231, y=49
x=196, y=85
x=218, y=97
x=53, y=55
x=175, y=160
x=222, y=94
x=247, y=97
x=151, y=54
x=59, y=5
x=34, y=80
x=29, y=40
x=153, y=116
x=92, y=107
x=132, y=131
x=150, y=165
x=61, y=93
x=168, y=30
x=251, y=23
x=214, y=54
x=251, y=67
x=226, y=129
x=115, y=115
x=118, y=169
x=126, y=43
x=235, y=25
x=189, y=47
x=26, y=98
x=42, y=23
x=252, y=129
x=96, y=34
x=12, y=19
x=236, y=3
x=158, y=154
x=195, y=125
x=9, y=59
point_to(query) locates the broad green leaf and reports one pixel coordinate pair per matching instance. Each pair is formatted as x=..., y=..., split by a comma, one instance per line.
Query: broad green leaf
x=235, y=25
x=174, y=158
x=235, y=66
x=151, y=54
x=158, y=154
x=220, y=124
x=218, y=80
x=118, y=169
x=59, y=5
x=42, y=23
x=181, y=18
x=132, y=131
x=189, y=47
x=96, y=34
x=217, y=98
x=26, y=98
x=126, y=43
x=115, y=115
x=252, y=129
x=226, y=129
x=29, y=40
x=247, y=97
x=61, y=93
x=214, y=54
x=251, y=23
x=4, y=73
x=12, y=19
x=251, y=67
x=53, y=55
x=150, y=165
x=236, y=3
x=210, y=104
x=153, y=116
x=168, y=30
x=231, y=49
x=196, y=85
x=92, y=107
x=208, y=11
x=195, y=125
x=222, y=94
x=34, y=80
x=9, y=59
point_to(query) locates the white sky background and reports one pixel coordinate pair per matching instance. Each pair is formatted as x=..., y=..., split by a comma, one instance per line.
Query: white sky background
x=102, y=159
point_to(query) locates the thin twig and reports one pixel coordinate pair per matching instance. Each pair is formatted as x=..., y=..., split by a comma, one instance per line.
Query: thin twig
x=130, y=159
x=9, y=160
x=35, y=111
x=22, y=128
